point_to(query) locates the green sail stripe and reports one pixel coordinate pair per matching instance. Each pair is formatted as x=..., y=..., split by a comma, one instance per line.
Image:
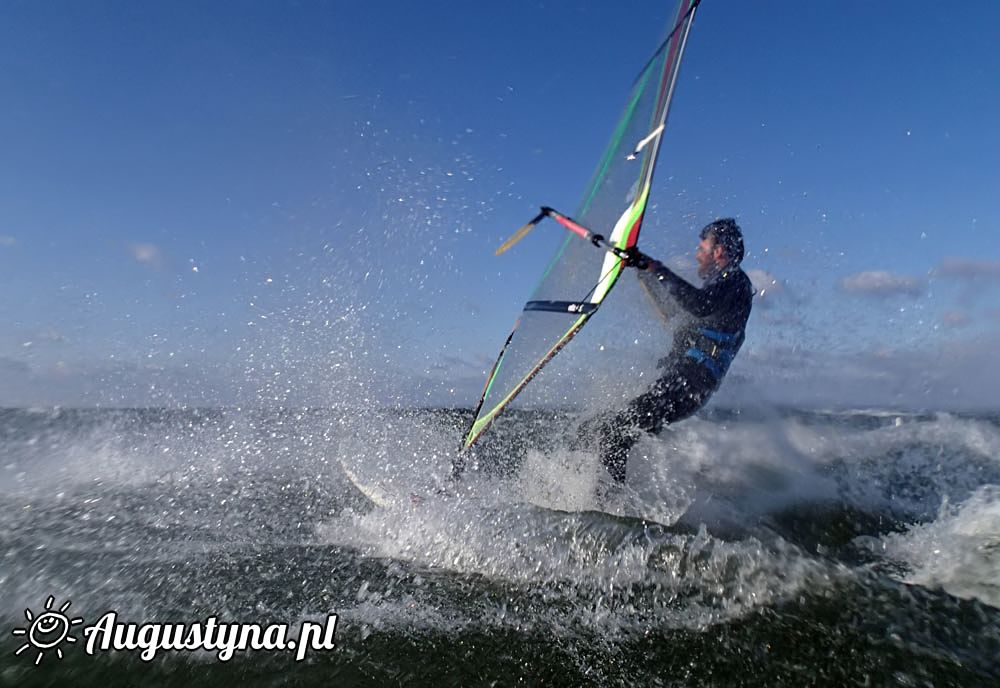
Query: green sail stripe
x=487, y=417
x=615, y=140
x=602, y=167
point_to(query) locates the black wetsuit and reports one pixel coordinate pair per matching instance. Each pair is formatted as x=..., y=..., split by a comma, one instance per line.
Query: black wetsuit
x=705, y=343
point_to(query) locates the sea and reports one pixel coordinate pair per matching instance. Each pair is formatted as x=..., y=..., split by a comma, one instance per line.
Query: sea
x=772, y=547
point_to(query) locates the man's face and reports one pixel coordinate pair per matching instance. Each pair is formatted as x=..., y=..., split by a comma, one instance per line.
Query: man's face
x=707, y=256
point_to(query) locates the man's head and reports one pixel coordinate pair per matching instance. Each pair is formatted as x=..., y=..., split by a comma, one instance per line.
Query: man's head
x=721, y=246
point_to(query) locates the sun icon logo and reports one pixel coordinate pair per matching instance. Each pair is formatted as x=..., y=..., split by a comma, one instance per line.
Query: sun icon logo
x=47, y=630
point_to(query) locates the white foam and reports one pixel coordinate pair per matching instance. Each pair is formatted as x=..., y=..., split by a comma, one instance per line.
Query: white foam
x=959, y=551
x=600, y=567
x=742, y=468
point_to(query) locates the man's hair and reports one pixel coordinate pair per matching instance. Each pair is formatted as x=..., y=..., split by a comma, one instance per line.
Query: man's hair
x=726, y=233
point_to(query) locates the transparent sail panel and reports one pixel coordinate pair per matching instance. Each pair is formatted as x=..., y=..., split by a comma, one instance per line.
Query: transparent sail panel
x=580, y=275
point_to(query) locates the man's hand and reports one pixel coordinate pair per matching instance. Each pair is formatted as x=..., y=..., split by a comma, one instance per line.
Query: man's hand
x=633, y=258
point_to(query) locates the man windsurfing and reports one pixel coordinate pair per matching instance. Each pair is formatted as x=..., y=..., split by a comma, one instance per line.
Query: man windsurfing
x=709, y=333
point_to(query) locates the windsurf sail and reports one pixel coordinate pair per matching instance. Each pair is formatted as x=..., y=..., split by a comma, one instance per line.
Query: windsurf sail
x=579, y=278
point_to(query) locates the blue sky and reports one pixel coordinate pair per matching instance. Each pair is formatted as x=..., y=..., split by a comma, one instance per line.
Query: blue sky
x=298, y=202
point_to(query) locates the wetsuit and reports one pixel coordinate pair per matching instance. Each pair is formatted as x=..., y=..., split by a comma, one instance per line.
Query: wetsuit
x=705, y=343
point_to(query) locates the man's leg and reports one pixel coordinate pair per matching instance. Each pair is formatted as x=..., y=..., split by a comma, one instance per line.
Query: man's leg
x=669, y=399
x=624, y=429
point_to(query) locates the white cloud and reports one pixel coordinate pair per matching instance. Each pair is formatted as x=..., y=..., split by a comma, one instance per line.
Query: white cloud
x=775, y=318
x=770, y=293
x=880, y=283
x=765, y=283
x=13, y=366
x=957, y=374
x=48, y=335
x=7, y=240
x=148, y=254
x=970, y=269
x=955, y=319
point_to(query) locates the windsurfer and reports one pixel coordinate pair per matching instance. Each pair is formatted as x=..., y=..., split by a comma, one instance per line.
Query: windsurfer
x=710, y=331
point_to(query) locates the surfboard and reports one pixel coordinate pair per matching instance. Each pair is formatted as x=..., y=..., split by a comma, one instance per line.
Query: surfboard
x=376, y=494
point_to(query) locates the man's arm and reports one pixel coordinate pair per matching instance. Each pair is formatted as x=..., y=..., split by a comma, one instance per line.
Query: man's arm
x=698, y=302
